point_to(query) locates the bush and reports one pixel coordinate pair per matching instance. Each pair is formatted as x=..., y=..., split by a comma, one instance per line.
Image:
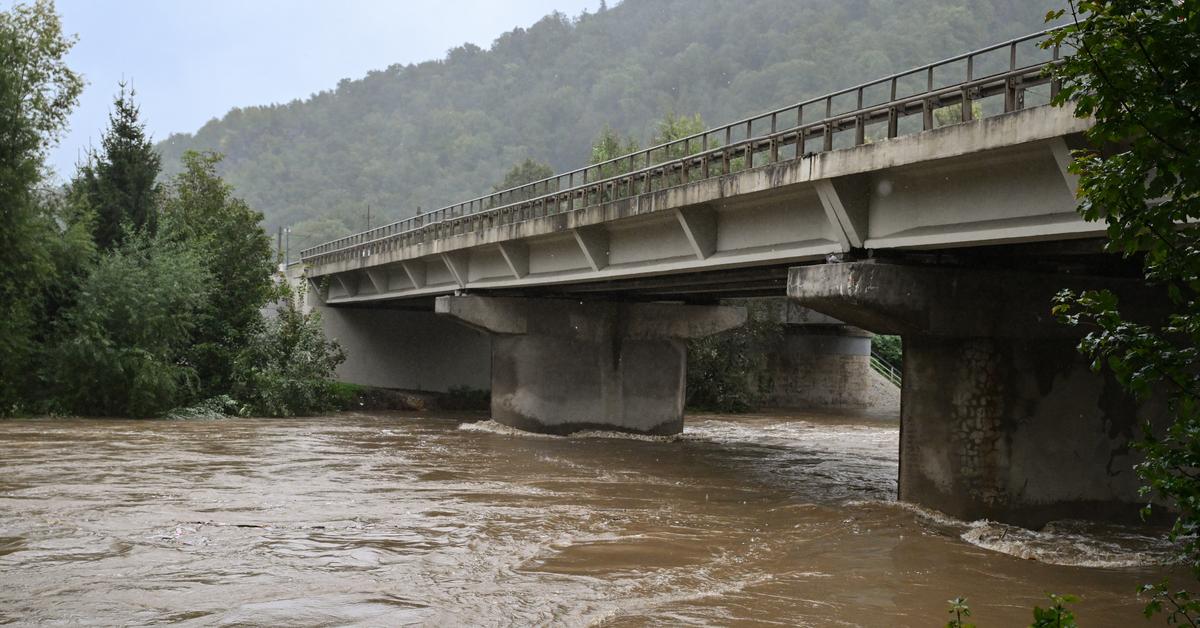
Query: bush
x=286, y=369
x=890, y=348
x=729, y=371
x=119, y=347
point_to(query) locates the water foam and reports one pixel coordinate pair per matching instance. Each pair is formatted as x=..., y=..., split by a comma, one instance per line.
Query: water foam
x=1069, y=543
x=492, y=427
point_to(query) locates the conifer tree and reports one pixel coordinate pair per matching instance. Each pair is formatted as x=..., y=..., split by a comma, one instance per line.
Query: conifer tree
x=119, y=183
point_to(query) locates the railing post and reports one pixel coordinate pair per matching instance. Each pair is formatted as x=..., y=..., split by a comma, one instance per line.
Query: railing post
x=800, y=131
x=774, y=143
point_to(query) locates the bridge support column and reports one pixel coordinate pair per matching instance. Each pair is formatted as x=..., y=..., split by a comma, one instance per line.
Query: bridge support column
x=560, y=366
x=823, y=363
x=1001, y=418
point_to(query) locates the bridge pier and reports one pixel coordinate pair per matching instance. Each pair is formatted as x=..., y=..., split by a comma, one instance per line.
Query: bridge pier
x=1001, y=418
x=561, y=366
x=823, y=363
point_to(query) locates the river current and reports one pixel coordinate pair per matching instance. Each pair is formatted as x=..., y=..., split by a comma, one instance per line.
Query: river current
x=417, y=519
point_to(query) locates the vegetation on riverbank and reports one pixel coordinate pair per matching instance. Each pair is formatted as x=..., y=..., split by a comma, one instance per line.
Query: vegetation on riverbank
x=729, y=371
x=121, y=295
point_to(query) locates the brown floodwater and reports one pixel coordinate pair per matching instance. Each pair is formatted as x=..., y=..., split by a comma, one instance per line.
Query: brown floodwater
x=405, y=519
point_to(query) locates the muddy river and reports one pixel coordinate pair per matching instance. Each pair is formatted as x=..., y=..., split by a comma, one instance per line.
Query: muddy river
x=404, y=519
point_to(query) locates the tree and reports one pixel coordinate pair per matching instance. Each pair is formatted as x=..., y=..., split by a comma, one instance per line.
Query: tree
x=527, y=171
x=199, y=210
x=119, y=183
x=1134, y=70
x=120, y=348
x=37, y=93
x=286, y=368
x=608, y=146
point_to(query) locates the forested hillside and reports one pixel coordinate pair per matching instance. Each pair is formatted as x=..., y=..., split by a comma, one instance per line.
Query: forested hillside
x=429, y=134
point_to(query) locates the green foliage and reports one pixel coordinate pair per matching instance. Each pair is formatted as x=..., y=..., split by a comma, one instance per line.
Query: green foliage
x=439, y=132
x=1181, y=608
x=286, y=368
x=959, y=608
x=952, y=114
x=729, y=371
x=343, y=394
x=527, y=171
x=1057, y=616
x=118, y=183
x=199, y=209
x=119, y=347
x=217, y=407
x=607, y=146
x=39, y=242
x=890, y=348
x=1134, y=71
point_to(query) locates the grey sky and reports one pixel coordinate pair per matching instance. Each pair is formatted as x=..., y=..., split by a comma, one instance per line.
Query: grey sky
x=193, y=60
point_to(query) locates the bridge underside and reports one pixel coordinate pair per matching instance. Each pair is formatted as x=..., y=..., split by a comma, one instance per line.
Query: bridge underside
x=973, y=226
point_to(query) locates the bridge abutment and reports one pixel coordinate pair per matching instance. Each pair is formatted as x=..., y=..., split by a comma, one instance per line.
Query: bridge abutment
x=1001, y=418
x=561, y=366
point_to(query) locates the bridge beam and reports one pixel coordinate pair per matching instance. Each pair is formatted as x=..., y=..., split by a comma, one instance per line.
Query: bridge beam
x=561, y=366
x=1001, y=418
x=846, y=201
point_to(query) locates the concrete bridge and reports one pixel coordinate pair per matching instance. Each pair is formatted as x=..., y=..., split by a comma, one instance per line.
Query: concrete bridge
x=934, y=203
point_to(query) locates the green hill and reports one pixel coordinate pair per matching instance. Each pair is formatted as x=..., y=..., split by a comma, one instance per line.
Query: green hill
x=429, y=134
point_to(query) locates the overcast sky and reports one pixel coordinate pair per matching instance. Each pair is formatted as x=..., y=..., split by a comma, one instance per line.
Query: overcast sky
x=193, y=60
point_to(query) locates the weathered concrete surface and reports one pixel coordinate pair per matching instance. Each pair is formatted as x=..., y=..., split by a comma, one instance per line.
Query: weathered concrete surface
x=560, y=366
x=991, y=181
x=407, y=350
x=826, y=367
x=1001, y=417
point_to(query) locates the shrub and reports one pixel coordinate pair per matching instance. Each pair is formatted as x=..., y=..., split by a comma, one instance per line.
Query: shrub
x=286, y=369
x=119, y=347
x=729, y=371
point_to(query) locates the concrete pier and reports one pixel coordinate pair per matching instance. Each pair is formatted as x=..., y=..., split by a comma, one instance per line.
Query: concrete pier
x=560, y=366
x=1001, y=418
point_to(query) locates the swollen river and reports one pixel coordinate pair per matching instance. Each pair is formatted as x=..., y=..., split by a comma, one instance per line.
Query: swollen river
x=399, y=519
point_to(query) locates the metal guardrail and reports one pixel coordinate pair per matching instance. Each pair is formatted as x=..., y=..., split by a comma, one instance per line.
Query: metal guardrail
x=886, y=369
x=779, y=135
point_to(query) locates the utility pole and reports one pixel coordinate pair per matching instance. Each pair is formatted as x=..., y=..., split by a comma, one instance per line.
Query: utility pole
x=368, y=216
x=287, y=246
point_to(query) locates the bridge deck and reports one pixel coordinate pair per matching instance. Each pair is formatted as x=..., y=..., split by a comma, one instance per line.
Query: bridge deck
x=736, y=197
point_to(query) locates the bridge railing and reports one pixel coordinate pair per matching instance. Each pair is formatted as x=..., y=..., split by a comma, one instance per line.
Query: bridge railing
x=885, y=368
x=984, y=82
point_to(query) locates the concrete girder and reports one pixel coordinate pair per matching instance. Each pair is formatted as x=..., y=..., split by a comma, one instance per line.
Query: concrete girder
x=415, y=269
x=593, y=241
x=846, y=201
x=516, y=256
x=379, y=279
x=1061, y=149
x=348, y=282
x=457, y=262
x=699, y=224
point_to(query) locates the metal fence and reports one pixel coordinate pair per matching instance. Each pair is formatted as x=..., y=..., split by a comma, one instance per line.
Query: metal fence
x=985, y=82
x=886, y=369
